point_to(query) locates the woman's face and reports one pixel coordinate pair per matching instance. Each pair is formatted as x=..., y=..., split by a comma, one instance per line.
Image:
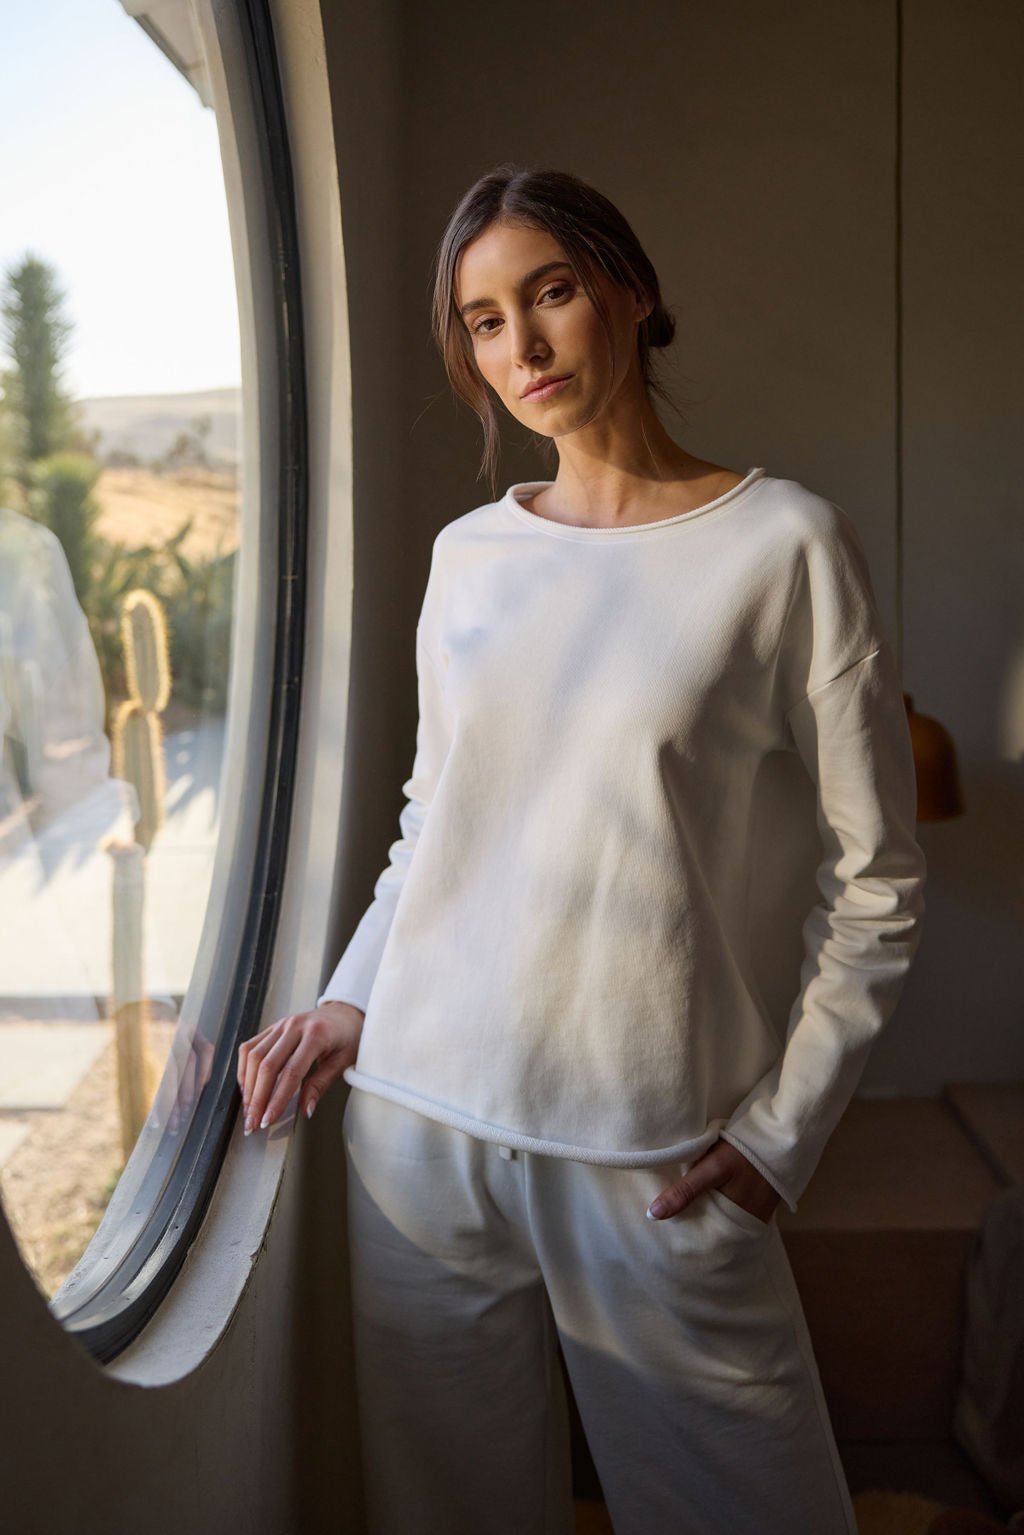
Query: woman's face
x=528, y=317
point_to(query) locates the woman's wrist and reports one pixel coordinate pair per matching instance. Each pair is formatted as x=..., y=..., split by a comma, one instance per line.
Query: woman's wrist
x=348, y=1006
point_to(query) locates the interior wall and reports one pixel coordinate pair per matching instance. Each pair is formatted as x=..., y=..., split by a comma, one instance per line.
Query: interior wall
x=963, y=241
x=754, y=152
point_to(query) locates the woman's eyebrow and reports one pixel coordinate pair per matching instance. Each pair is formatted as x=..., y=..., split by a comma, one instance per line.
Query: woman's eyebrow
x=524, y=282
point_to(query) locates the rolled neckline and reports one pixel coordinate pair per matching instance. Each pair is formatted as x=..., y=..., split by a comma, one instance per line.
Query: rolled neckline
x=583, y=533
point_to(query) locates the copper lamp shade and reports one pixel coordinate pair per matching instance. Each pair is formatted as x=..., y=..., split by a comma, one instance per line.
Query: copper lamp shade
x=939, y=793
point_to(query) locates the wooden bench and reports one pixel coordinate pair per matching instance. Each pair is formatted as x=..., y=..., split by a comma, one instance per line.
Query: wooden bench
x=879, y=1248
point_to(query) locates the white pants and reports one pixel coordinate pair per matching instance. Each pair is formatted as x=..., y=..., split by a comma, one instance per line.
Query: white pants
x=684, y=1338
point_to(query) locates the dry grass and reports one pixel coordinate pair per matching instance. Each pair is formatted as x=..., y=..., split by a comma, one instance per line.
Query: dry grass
x=138, y=507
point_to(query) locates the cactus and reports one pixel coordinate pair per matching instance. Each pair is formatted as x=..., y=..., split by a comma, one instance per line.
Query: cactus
x=137, y=733
x=137, y=1068
x=144, y=632
x=138, y=758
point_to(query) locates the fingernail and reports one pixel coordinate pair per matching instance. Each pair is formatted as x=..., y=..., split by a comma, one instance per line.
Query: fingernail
x=656, y=1209
x=264, y=1122
x=310, y=1107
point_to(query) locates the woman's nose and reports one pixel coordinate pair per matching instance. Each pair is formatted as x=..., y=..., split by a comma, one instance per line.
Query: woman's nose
x=526, y=341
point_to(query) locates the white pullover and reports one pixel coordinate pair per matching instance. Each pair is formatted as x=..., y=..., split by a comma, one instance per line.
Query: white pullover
x=558, y=955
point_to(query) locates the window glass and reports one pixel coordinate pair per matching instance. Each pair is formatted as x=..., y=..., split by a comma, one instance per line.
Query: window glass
x=120, y=515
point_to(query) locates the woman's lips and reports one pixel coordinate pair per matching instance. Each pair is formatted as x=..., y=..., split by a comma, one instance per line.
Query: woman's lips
x=547, y=390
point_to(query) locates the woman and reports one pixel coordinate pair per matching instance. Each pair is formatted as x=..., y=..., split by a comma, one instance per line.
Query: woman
x=559, y=1027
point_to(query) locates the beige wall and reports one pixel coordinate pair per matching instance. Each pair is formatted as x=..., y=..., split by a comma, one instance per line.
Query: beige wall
x=753, y=148
x=963, y=241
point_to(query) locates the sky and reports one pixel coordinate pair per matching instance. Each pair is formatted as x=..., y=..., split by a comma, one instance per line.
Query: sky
x=110, y=172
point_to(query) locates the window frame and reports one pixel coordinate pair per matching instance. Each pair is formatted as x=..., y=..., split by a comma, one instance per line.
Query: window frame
x=126, y=1272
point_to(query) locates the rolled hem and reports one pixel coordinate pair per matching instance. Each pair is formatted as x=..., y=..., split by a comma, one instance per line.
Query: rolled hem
x=765, y=1171
x=682, y=1151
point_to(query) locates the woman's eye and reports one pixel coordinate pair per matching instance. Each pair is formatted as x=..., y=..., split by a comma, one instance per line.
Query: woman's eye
x=558, y=288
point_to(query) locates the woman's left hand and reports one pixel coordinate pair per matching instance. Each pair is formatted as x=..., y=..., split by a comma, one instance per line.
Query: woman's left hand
x=721, y=1167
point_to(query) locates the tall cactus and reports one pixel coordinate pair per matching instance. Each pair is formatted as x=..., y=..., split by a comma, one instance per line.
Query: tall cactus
x=137, y=1072
x=137, y=732
x=138, y=758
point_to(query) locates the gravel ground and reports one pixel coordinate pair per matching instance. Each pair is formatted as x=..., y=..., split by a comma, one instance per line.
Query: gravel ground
x=56, y=1184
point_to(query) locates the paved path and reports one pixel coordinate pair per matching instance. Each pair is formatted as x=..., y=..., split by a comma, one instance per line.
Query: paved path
x=56, y=929
x=56, y=887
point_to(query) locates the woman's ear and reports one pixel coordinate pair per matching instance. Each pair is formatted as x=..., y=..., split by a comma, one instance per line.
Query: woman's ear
x=644, y=305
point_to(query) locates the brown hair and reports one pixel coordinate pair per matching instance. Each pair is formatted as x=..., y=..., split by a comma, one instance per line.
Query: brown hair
x=594, y=235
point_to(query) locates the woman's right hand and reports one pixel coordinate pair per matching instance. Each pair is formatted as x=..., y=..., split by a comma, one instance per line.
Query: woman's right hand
x=273, y=1063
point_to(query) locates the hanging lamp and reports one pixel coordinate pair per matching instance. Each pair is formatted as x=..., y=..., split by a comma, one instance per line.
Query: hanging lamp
x=939, y=790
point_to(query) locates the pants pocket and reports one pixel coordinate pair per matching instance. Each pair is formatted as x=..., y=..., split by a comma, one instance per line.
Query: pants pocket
x=736, y=1215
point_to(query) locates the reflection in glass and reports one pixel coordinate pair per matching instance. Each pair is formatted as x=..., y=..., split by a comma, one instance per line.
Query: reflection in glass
x=119, y=522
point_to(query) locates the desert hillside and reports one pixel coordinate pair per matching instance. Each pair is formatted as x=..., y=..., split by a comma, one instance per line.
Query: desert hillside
x=148, y=425
x=140, y=507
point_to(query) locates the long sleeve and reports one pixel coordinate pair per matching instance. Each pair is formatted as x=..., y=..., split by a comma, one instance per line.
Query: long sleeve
x=353, y=977
x=563, y=954
x=851, y=733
